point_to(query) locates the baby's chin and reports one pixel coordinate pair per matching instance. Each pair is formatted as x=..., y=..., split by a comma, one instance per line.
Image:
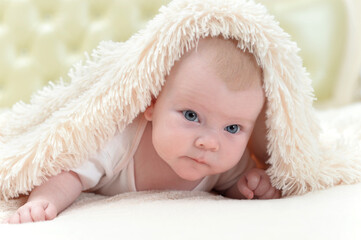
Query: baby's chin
x=190, y=175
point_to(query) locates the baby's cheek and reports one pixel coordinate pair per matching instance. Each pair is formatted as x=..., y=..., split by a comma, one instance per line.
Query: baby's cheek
x=234, y=154
x=160, y=144
x=166, y=142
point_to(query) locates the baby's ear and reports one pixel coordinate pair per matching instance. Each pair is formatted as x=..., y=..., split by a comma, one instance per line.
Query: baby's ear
x=148, y=113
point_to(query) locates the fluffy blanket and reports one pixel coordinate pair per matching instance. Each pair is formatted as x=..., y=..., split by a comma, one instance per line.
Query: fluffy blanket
x=329, y=214
x=64, y=123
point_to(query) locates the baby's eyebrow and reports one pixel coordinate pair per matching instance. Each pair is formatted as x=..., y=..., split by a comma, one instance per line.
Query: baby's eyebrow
x=240, y=120
x=247, y=121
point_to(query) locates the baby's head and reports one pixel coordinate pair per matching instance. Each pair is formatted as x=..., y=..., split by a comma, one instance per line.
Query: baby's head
x=206, y=111
x=237, y=68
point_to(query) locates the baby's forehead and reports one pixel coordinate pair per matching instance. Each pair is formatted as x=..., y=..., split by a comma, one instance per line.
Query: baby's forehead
x=228, y=61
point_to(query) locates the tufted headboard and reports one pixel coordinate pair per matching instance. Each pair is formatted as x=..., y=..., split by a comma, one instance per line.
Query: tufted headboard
x=41, y=39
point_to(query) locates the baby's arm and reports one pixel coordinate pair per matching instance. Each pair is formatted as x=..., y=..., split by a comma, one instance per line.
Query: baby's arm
x=49, y=199
x=254, y=183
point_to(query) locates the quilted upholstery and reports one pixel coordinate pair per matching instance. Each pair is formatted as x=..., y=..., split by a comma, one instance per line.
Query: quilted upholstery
x=41, y=39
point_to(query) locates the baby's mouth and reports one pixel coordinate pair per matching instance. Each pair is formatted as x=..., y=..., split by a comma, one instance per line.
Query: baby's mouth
x=199, y=160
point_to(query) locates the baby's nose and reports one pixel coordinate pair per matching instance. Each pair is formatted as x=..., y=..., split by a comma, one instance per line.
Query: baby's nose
x=208, y=142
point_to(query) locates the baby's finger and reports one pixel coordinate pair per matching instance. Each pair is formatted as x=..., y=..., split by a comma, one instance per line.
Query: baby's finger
x=24, y=213
x=268, y=194
x=243, y=188
x=38, y=213
x=50, y=212
x=253, y=179
x=263, y=186
x=272, y=193
x=14, y=219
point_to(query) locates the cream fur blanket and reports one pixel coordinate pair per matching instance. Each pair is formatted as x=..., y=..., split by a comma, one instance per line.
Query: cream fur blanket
x=322, y=215
x=64, y=123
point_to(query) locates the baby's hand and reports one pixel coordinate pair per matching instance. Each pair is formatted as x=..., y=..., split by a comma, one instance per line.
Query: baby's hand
x=34, y=211
x=256, y=183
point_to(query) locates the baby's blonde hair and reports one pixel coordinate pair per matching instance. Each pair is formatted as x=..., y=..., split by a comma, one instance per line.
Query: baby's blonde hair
x=230, y=62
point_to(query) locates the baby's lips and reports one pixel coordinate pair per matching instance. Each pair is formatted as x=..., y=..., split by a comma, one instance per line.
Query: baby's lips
x=198, y=160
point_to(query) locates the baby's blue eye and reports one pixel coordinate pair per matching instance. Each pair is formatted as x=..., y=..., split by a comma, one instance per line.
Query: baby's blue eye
x=233, y=128
x=190, y=115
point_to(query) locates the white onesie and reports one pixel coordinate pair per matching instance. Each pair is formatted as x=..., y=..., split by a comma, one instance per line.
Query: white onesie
x=111, y=170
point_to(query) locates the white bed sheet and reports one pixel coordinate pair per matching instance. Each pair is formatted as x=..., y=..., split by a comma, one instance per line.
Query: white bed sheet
x=331, y=214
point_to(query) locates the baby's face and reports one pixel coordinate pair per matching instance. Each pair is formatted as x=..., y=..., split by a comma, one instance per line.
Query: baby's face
x=199, y=126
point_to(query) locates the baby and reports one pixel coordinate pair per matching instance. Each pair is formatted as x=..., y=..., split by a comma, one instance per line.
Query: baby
x=194, y=136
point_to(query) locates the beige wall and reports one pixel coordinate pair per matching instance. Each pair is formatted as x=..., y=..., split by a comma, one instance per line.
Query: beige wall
x=41, y=39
